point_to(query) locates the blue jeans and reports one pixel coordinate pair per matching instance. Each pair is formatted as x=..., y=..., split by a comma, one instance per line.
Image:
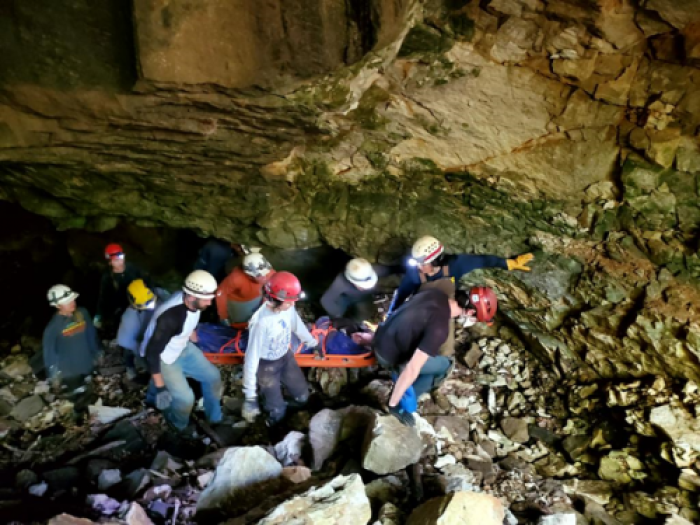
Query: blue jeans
x=191, y=363
x=431, y=374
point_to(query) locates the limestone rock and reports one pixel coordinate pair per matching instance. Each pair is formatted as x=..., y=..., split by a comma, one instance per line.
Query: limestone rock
x=16, y=368
x=558, y=519
x=244, y=477
x=296, y=474
x=328, y=428
x=576, y=445
x=675, y=13
x=105, y=415
x=136, y=515
x=515, y=429
x=682, y=427
x=380, y=453
x=621, y=467
x=464, y=508
x=341, y=501
x=67, y=519
x=27, y=408
x=108, y=478
x=384, y=490
x=598, y=491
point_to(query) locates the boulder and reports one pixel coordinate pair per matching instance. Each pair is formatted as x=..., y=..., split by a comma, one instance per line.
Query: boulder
x=460, y=508
x=515, y=429
x=342, y=501
x=328, y=428
x=244, y=477
x=390, y=446
x=27, y=408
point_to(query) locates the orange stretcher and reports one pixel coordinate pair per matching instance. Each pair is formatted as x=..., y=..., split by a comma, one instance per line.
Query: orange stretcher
x=230, y=354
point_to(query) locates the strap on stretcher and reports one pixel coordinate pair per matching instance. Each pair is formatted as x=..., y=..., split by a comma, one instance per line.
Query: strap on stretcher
x=311, y=360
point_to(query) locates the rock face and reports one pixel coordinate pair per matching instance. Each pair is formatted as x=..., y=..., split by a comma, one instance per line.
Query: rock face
x=243, y=478
x=499, y=127
x=390, y=446
x=341, y=501
x=465, y=508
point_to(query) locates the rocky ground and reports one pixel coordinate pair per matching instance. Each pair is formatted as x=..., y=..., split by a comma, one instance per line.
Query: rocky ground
x=502, y=441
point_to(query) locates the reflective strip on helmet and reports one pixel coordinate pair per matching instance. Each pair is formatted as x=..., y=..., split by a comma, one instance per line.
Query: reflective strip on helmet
x=65, y=295
x=431, y=255
x=118, y=255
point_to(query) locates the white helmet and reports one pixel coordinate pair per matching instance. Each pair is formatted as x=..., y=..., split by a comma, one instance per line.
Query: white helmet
x=60, y=294
x=255, y=264
x=200, y=284
x=426, y=249
x=360, y=273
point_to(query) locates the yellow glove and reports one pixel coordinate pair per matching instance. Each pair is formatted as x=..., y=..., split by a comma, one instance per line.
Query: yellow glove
x=519, y=262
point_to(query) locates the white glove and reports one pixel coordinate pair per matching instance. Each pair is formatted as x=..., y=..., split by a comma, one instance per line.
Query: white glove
x=468, y=321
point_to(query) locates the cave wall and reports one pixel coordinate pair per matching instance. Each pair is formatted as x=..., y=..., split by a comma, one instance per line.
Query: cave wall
x=569, y=128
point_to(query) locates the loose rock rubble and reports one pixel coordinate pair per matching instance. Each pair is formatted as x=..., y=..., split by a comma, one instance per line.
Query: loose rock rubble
x=503, y=435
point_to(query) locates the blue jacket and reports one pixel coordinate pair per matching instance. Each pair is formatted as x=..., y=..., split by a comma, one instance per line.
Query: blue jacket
x=132, y=328
x=458, y=265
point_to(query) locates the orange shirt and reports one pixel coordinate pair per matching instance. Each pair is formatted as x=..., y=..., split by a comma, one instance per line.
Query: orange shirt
x=239, y=287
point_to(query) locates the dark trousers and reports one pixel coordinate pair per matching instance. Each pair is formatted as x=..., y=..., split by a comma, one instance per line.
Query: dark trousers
x=272, y=376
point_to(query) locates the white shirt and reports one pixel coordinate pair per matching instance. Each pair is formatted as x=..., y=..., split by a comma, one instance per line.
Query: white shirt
x=270, y=339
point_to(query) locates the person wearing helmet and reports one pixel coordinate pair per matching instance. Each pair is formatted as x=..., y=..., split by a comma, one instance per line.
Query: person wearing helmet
x=215, y=257
x=353, y=289
x=240, y=294
x=134, y=321
x=70, y=344
x=431, y=267
x=172, y=357
x=113, y=300
x=269, y=359
x=409, y=342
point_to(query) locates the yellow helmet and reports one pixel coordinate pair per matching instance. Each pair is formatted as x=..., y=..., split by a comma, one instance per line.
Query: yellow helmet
x=140, y=296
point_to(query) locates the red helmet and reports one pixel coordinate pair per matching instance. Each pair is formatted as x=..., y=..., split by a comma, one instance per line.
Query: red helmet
x=283, y=286
x=484, y=302
x=114, y=250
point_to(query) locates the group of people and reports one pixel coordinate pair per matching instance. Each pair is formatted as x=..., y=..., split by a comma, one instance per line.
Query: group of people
x=157, y=330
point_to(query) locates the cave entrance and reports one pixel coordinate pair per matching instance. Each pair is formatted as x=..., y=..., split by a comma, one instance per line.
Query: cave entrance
x=34, y=256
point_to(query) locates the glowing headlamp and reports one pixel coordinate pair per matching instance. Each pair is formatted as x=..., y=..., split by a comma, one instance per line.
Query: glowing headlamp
x=412, y=262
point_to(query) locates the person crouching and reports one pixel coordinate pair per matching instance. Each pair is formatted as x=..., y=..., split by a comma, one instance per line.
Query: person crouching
x=269, y=360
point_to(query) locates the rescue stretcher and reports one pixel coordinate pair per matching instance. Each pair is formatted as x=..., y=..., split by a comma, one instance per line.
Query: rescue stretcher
x=230, y=353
